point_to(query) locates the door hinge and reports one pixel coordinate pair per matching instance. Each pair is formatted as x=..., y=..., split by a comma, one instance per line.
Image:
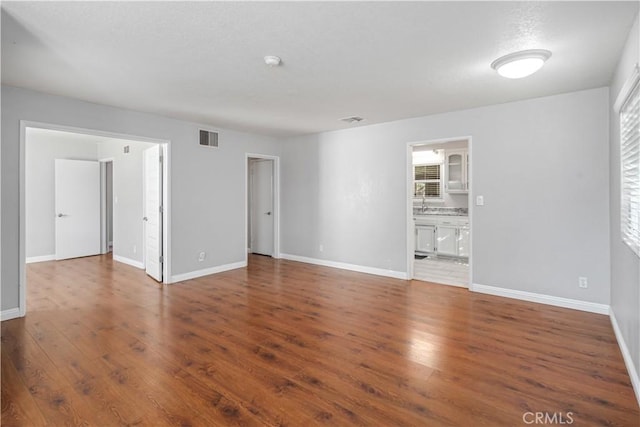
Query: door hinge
x=161, y=259
x=160, y=208
x=160, y=159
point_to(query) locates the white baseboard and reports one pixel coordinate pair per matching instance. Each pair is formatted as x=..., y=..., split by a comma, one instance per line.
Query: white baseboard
x=41, y=258
x=9, y=314
x=626, y=355
x=575, y=304
x=207, y=271
x=128, y=261
x=345, y=266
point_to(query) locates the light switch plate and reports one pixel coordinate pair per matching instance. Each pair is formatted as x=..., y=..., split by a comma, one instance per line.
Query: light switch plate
x=479, y=200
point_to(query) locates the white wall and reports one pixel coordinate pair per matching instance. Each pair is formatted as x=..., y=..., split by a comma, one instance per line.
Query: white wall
x=625, y=265
x=41, y=150
x=128, y=196
x=208, y=185
x=542, y=166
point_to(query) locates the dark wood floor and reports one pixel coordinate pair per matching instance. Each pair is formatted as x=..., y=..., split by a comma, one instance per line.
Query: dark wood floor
x=284, y=343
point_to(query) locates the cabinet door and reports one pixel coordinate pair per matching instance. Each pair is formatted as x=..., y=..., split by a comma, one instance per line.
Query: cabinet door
x=447, y=243
x=463, y=242
x=456, y=171
x=425, y=238
x=466, y=171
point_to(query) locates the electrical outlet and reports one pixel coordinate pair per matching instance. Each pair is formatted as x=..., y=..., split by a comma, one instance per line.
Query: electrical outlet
x=202, y=256
x=135, y=249
x=582, y=282
x=321, y=248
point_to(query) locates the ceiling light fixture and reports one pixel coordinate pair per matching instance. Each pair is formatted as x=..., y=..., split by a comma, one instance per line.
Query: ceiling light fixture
x=520, y=64
x=272, y=61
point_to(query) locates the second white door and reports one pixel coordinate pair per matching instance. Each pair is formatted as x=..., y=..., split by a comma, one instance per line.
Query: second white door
x=153, y=212
x=261, y=206
x=77, y=205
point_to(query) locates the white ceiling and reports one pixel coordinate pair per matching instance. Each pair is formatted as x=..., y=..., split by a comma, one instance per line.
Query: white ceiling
x=203, y=61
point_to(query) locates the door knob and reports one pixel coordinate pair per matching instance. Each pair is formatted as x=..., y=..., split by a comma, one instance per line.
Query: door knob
x=145, y=219
x=60, y=215
x=267, y=213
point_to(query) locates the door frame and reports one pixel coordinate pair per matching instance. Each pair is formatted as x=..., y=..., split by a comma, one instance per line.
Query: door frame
x=166, y=144
x=276, y=201
x=409, y=198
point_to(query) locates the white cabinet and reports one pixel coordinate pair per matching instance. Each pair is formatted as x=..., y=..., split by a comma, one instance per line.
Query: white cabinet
x=425, y=238
x=463, y=242
x=442, y=235
x=456, y=171
x=447, y=242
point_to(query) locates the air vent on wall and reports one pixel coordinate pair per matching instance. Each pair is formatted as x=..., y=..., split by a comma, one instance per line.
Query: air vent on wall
x=209, y=139
x=352, y=119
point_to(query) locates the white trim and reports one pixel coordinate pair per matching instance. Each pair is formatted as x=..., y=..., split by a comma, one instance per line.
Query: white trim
x=575, y=304
x=626, y=355
x=129, y=261
x=344, y=266
x=626, y=88
x=208, y=271
x=41, y=258
x=166, y=213
x=9, y=314
x=276, y=201
x=409, y=186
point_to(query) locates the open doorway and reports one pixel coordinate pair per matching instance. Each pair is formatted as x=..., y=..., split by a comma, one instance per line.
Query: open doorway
x=439, y=214
x=56, y=161
x=106, y=205
x=262, y=205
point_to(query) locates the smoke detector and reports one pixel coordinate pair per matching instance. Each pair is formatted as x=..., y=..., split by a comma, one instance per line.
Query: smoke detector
x=272, y=61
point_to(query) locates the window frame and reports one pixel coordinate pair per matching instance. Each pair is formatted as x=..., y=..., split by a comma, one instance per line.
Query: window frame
x=629, y=143
x=440, y=182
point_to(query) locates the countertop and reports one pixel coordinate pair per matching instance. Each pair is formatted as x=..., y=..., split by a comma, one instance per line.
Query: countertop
x=441, y=212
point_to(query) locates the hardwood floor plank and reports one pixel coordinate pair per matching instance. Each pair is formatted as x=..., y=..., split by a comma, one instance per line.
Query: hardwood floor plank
x=284, y=343
x=18, y=406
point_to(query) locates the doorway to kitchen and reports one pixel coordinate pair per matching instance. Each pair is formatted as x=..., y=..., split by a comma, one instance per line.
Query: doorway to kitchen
x=439, y=214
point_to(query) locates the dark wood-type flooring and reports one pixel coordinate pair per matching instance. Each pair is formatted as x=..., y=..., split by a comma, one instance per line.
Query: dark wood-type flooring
x=285, y=343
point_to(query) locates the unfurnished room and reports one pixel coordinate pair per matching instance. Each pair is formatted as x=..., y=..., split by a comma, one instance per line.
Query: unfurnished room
x=306, y=213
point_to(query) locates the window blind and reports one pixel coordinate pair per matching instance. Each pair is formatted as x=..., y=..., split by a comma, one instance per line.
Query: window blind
x=426, y=172
x=630, y=169
x=426, y=179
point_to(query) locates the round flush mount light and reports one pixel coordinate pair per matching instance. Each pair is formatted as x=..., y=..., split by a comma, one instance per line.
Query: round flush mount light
x=272, y=61
x=521, y=64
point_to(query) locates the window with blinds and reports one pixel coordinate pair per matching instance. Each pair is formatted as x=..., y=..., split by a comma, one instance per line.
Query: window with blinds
x=427, y=181
x=630, y=169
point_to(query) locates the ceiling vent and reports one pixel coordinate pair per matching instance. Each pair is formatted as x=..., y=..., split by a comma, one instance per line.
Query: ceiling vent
x=352, y=119
x=210, y=139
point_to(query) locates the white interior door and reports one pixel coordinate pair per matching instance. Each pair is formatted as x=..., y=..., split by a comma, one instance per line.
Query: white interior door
x=153, y=211
x=77, y=204
x=261, y=192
